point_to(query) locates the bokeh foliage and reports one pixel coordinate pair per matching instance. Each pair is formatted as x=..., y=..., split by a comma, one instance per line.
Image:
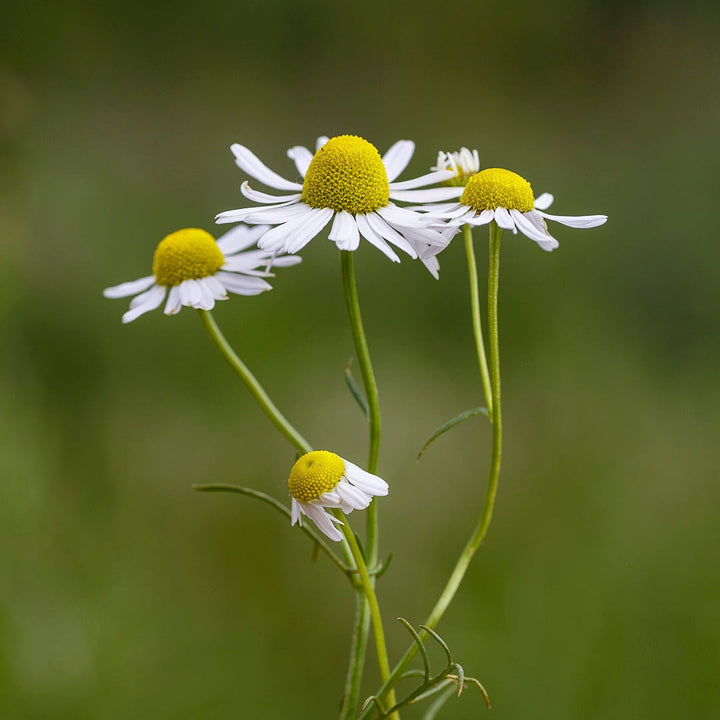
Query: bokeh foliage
x=123, y=594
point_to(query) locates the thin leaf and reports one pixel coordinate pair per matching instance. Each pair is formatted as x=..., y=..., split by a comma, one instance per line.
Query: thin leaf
x=449, y=425
x=461, y=678
x=479, y=686
x=440, y=642
x=420, y=644
x=355, y=390
x=434, y=690
x=383, y=568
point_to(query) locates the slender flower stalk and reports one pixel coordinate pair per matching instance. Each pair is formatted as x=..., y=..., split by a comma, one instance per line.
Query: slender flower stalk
x=480, y=531
x=368, y=587
x=476, y=318
x=267, y=405
x=362, y=624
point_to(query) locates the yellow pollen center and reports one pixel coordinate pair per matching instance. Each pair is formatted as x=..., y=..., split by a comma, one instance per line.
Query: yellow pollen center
x=316, y=473
x=187, y=254
x=493, y=188
x=346, y=173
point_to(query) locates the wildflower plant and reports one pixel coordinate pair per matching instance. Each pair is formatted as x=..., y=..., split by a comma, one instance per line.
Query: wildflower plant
x=348, y=190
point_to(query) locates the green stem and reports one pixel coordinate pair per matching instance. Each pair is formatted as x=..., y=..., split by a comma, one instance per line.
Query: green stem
x=306, y=528
x=476, y=318
x=277, y=418
x=481, y=529
x=375, y=618
x=362, y=626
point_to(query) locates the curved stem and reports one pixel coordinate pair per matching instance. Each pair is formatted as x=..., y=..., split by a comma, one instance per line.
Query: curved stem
x=375, y=618
x=277, y=418
x=306, y=528
x=358, y=648
x=478, y=535
x=476, y=318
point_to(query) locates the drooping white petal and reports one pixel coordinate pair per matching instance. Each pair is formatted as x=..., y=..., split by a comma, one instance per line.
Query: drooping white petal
x=403, y=217
x=578, y=221
x=443, y=210
x=174, y=303
x=423, y=196
x=265, y=198
x=397, y=158
x=428, y=179
x=353, y=496
x=242, y=214
x=483, y=218
x=323, y=520
x=295, y=513
x=504, y=219
x=544, y=201
x=153, y=299
x=215, y=287
x=278, y=213
x=344, y=232
x=382, y=228
x=246, y=160
x=527, y=228
x=285, y=261
x=427, y=235
x=308, y=230
x=364, y=480
x=239, y=238
x=241, y=284
x=129, y=288
x=207, y=298
x=302, y=158
x=330, y=499
x=373, y=238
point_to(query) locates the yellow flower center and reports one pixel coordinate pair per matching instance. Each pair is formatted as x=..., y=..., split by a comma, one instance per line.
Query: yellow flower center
x=314, y=474
x=346, y=173
x=493, y=188
x=187, y=254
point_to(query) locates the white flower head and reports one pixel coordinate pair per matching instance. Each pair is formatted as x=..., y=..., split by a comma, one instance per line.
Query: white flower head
x=345, y=181
x=505, y=197
x=191, y=268
x=463, y=164
x=322, y=479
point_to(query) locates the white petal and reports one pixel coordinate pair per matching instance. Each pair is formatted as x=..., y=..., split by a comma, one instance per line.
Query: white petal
x=382, y=228
x=215, y=287
x=578, y=221
x=323, y=520
x=344, y=232
x=274, y=240
x=241, y=284
x=428, y=236
x=397, y=158
x=265, y=198
x=193, y=294
x=207, y=297
x=240, y=238
x=527, y=228
x=428, y=179
x=278, y=213
x=483, y=218
x=504, y=219
x=295, y=513
x=242, y=214
x=302, y=158
x=153, y=299
x=320, y=142
x=353, y=496
x=330, y=499
x=423, y=196
x=443, y=210
x=286, y=261
x=373, y=238
x=403, y=217
x=364, y=480
x=173, y=304
x=433, y=266
x=544, y=201
x=129, y=288
x=154, y=292
x=308, y=230
x=246, y=160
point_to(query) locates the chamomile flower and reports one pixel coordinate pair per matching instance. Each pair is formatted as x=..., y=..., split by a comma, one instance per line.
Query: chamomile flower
x=346, y=184
x=505, y=197
x=463, y=164
x=322, y=479
x=192, y=269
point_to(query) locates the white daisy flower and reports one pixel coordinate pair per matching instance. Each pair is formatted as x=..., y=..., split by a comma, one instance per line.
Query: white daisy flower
x=463, y=164
x=321, y=479
x=346, y=182
x=505, y=197
x=194, y=270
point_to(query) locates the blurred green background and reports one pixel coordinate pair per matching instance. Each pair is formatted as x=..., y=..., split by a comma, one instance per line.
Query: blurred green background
x=123, y=594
